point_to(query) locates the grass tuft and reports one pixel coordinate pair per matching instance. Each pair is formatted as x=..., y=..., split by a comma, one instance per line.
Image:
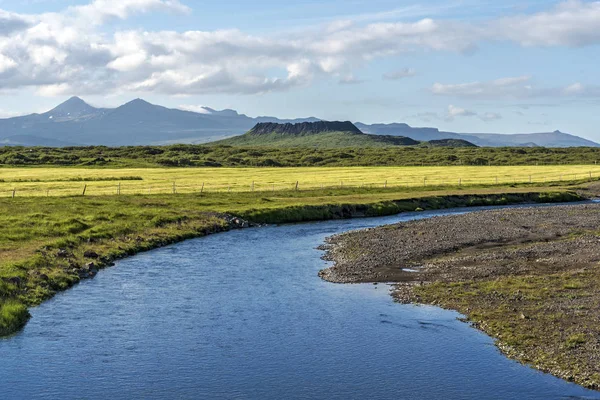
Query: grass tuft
x=13, y=316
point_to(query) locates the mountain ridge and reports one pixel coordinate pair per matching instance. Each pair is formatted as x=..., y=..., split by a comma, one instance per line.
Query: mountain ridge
x=138, y=122
x=303, y=128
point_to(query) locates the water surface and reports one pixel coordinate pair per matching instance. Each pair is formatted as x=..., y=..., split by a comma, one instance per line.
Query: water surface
x=244, y=315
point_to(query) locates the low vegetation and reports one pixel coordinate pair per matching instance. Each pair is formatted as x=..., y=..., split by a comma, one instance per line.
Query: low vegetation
x=229, y=156
x=547, y=321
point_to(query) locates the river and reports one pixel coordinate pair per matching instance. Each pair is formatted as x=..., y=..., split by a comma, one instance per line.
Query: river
x=244, y=315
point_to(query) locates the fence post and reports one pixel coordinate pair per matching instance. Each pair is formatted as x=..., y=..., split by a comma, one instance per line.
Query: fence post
x=253, y=186
x=13, y=193
x=424, y=181
x=529, y=178
x=202, y=189
x=84, y=189
x=174, y=188
x=119, y=189
x=296, y=185
x=385, y=185
x=459, y=182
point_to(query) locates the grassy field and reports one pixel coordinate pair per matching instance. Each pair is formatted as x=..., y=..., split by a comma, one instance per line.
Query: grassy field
x=52, y=181
x=229, y=156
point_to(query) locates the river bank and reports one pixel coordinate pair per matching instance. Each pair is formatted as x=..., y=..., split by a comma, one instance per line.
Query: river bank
x=58, y=242
x=527, y=277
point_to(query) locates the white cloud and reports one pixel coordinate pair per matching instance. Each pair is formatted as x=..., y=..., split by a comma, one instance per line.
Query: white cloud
x=58, y=89
x=6, y=63
x=10, y=22
x=513, y=87
x=74, y=52
x=454, y=111
x=100, y=11
x=571, y=23
x=399, y=74
x=195, y=108
x=128, y=62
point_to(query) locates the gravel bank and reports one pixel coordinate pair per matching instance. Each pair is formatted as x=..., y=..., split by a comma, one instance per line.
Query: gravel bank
x=477, y=245
x=528, y=277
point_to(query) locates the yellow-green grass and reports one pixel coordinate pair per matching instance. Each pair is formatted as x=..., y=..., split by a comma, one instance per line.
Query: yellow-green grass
x=41, y=181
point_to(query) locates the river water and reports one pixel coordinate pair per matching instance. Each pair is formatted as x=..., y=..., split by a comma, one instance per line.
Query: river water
x=244, y=315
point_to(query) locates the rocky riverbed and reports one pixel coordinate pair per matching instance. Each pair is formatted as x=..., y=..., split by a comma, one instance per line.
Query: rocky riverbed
x=528, y=277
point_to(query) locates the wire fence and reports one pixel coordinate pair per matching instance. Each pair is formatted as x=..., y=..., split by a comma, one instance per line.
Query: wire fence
x=139, y=187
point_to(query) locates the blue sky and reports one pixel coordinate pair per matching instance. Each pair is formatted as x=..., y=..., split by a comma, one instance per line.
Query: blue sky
x=466, y=66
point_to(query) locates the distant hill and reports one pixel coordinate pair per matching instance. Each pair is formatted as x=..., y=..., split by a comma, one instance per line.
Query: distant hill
x=547, y=139
x=321, y=134
x=449, y=143
x=138, y=122
x=24, y=140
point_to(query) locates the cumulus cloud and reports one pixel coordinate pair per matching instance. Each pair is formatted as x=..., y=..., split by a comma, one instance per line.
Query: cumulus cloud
x=399, y=74
x=75, y=52
x=54, y=56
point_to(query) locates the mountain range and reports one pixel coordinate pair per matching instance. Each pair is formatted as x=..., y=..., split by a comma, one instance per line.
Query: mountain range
x=138, y=122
